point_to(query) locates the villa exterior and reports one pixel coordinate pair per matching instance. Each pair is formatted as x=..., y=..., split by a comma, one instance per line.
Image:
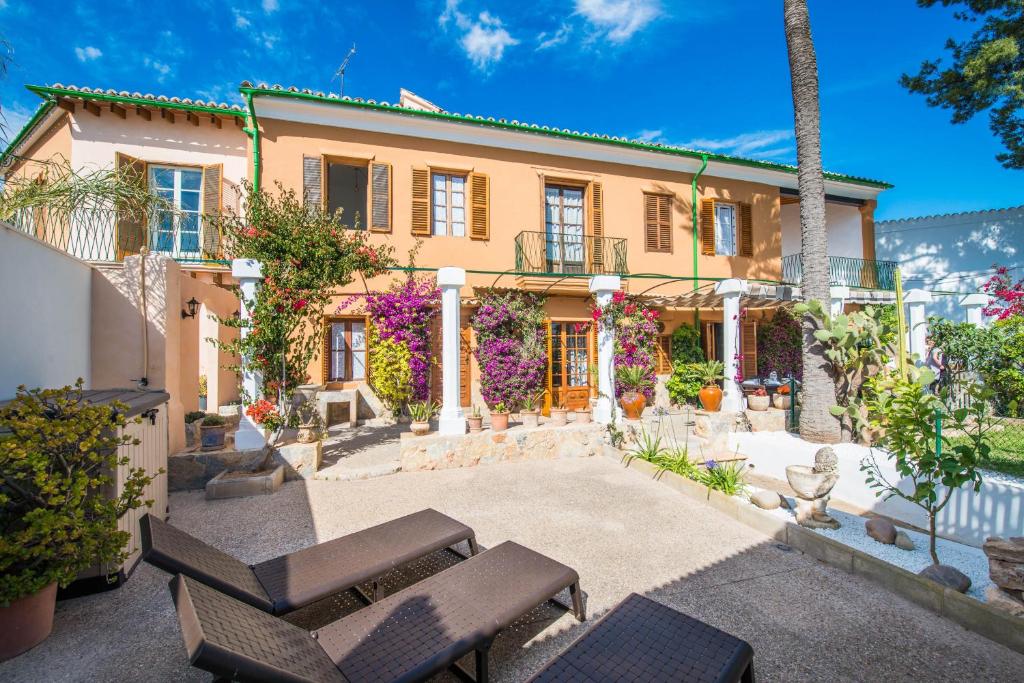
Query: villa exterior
x=516, y=205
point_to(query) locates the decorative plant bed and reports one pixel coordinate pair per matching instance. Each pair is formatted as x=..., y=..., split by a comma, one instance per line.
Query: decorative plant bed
x=229, y=484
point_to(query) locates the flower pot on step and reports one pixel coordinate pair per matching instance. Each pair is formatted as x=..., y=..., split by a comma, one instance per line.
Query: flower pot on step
x=530, y=418
x=26, y=622
x=559, y=417
x=583, y=417
x=499, y=421
x=711, y=398
x=781, y=401
x=755, y=402
x=475, y=424
x=633, y=404
x=212, y=436
x=419, y=428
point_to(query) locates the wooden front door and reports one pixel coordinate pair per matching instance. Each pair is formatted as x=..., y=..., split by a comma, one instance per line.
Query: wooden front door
x=569, y=363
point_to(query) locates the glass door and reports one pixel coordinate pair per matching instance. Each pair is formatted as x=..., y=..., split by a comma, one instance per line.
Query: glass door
x=569, y=364
x=564, y=221
x=177, y=232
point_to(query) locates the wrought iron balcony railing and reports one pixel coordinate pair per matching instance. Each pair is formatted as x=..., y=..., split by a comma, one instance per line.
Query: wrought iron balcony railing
x=562, y=252
x=847, y=271
x=107, y=235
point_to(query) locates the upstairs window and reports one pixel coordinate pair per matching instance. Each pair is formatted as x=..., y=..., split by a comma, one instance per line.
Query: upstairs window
x=725, y=229
x=448, y=204
x=177, y=232
x=346, y=190
x=657, y=222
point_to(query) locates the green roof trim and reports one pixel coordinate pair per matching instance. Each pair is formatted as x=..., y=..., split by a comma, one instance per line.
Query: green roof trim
x=54, y=92
x=520, y=127
x=41, y=111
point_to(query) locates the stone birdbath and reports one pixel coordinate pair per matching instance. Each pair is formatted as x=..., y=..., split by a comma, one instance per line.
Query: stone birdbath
x=813, y=486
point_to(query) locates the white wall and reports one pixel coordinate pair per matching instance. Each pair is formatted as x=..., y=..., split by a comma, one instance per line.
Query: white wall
x=953, y=252
x=842, y=222
x=45, y=311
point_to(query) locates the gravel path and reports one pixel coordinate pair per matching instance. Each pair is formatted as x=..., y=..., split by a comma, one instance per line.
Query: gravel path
x=620, y=530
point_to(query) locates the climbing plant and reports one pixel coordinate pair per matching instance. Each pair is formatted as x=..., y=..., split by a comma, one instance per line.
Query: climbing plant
x=686, y=344
x=636, y=333
x=779, y=343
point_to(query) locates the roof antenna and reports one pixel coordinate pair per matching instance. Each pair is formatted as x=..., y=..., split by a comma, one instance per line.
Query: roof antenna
x=340, y=73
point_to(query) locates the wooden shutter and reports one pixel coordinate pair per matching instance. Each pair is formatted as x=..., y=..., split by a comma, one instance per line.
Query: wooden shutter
x=325, y=353
x=465, y=381
x=597, y=224
x=663, y=364
x=313, y=181
x=421, y=202
x=131, y=219
x=213, y=178
x=437, y=367
x=479, y=202
x=746, y=231
x=380, y=197
x=707, y=226
x=748, y=347
x=231, y=202
x=658, y=222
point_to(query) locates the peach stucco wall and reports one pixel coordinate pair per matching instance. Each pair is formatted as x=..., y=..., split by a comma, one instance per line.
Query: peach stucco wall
x=53, y=145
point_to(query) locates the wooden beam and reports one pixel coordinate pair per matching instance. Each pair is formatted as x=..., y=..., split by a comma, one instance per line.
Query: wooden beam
x=144, y=113
x=217, y=121
x=192, y=118
x=167, y=114
x=66, y=105
x=118, y=109
x=238, y=122
x=92, y=108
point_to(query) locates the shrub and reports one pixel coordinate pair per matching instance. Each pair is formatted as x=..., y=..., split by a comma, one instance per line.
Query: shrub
x=213, y=420
x=56, y=469
x=686, y=346
x=683, y=386
x=390, y=371
x=1004, y=374
x=194, y=416
x=779, y=344
x=965, y=346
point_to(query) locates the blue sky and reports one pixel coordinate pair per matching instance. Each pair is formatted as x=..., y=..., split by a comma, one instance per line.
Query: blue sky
x=712, y=75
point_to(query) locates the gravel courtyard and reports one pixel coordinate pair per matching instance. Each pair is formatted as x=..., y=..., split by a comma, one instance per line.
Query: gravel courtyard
x=621, y=531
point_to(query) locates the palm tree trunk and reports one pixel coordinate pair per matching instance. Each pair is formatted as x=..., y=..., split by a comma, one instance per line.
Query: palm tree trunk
x=818, y=391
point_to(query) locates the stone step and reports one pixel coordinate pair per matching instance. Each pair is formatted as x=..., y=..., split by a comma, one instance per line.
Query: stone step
x=336, y=473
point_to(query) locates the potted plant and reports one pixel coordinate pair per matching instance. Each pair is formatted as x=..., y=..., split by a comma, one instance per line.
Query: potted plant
x=310, y=422
x=58, y=462
x=633, y=380
x=759, y=400
x=211, y=432
x=709, y=373
x=584, y=415
x=529, y=411
x=559, y=413
x=499, y=417
x=476, y=420
x=782, y=398
x=420, y=413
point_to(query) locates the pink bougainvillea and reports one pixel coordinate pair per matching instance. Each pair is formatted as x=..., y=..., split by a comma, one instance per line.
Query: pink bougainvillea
x=1008, y=296
x=636, y=335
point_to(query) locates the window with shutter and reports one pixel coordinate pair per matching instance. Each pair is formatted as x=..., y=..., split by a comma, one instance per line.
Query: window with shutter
x=748, y=347
x=707, y=226
x=312, y=180
x=380, y=197
x=597, y=224
x=657, y=222
x=448, y=204
x=480, y=210
x=131, y=220
x=347, y=190
x=746, y=246
x=420, y=202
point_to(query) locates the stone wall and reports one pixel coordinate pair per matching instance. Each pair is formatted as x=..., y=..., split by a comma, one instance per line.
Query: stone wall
x=519, y=443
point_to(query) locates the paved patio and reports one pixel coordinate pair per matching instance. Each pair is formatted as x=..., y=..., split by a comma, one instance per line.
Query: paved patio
x=620, y=530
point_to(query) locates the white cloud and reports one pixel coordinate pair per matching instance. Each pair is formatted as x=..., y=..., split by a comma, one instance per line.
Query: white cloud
x=88, y=53
x=3, y=4
x=759, y=144
x=650, y=136
x=547, y=40
x=483, y=39
x=241, y=21
x=161, y=68
x=618, y=20
x=270, y=6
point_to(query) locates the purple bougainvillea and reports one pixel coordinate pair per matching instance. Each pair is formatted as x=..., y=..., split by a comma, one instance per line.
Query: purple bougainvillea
x=779, y=346
x=636, y=333
x=510, y=347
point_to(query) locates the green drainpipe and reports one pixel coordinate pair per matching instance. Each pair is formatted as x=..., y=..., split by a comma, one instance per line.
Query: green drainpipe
x=693, y=206
x=253, y=131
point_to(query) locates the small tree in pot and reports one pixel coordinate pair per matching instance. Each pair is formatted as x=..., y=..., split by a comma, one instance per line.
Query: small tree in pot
x=58, y=459
x=710, y=373
x=634, y=382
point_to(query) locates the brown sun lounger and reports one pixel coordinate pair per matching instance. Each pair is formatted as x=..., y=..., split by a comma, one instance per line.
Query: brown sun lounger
x=643, y=640
x=291, y=581
x=407, y=636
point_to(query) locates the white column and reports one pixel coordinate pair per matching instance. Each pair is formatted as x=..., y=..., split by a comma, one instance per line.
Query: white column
x=249, y=274
x=838, y=296
x=972, y=305
x=452, y=420
x=603, y=287
x=917, y=322
x=730, y=290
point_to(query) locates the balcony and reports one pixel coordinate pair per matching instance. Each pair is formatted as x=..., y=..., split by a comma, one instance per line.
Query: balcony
x=846, y=271
x=558, y=253
x=103, y=235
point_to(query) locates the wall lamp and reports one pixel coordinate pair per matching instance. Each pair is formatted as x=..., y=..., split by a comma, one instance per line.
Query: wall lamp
x=193, y=306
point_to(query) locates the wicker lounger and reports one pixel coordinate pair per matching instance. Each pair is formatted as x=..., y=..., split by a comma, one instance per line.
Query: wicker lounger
x=642, y=640
x=407, y=636
x=297, y=579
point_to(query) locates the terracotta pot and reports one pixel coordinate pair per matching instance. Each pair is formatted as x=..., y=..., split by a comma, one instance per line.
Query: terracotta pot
x=755, y=402
x=559, y=417
x=499, y=421
x=711, y=398
x=26, y=622
x=212, y=437
x=530, y=418
x=475, y=424
x=419, y=428
x=633, y=404
x=781, y=401
x=583, y=417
